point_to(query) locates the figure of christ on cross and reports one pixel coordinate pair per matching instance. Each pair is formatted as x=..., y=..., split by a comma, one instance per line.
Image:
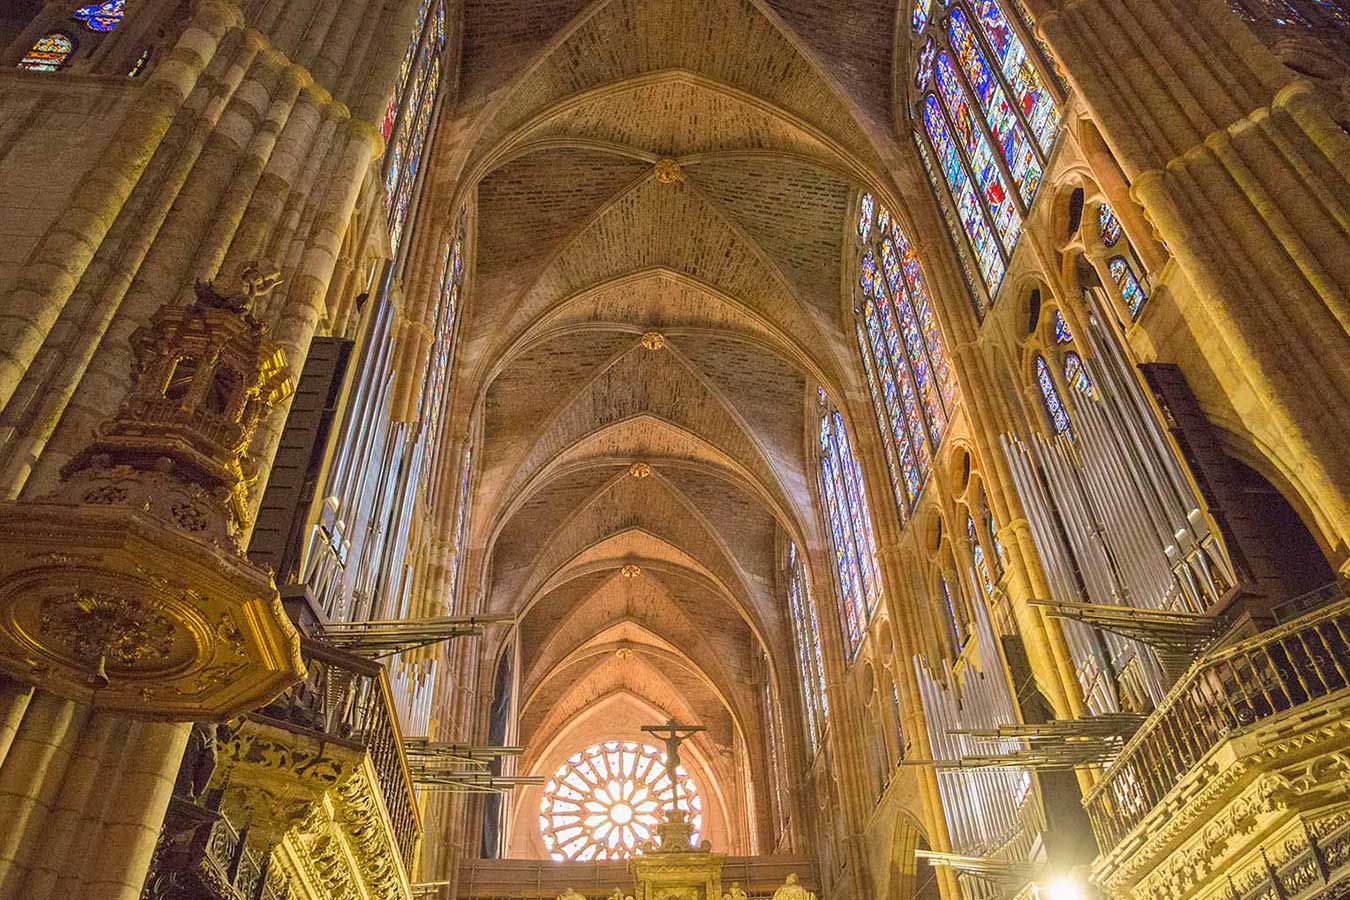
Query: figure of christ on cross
x=673, y=734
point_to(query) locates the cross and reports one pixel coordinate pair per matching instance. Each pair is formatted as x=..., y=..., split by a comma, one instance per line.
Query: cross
x=674, y=734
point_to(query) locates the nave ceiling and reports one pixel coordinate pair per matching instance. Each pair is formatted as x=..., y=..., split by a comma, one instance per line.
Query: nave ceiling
x=584, y=244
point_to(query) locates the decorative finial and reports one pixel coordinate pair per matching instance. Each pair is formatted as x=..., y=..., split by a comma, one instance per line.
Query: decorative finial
x=668, y=171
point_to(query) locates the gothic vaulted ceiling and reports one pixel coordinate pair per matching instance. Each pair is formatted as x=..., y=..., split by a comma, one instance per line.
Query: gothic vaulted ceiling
x=626, y=311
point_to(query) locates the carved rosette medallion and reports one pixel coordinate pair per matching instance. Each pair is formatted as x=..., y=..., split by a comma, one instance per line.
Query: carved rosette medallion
x=640, y=470
x=630, y=571
x=668, y=171
x=654, y=340
x=127, y=587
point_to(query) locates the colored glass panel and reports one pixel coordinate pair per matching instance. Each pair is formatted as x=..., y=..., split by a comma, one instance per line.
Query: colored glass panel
x=949, y=607
x=919, y=18
x=1062, y=333
x=1075, y=373
x=915, y=350
x=885, y=423
x=850, y=529
x=895, y=392
x=1008, y=133
x=974, y=282
x=1109, y=226
x=993, y=190
x=866, y=216
x=1130, y=289
x=1059, y=417
x=932, y=337
x=810, y=660
x=102, y=16
x=968, y=208
x=923, y=72
x=1034, y=101
x=141, y=62
x=982, y=576
x=48, y=54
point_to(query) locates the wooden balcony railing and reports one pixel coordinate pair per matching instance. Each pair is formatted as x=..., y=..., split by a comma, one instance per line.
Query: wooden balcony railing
x=1226, y=691
x=347, y=698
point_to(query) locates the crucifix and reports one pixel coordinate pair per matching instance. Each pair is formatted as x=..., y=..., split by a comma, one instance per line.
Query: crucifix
x=673, y=734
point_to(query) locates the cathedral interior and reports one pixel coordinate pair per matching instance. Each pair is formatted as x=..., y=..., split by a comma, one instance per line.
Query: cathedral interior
x=674, y=449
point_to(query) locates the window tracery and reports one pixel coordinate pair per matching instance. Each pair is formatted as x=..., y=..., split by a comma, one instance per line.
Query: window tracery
x=606, y=800
x=910, y=378
x=850, y=524
x=407, y=119
x=810, y=661
x=49, y=54
x=988, y=119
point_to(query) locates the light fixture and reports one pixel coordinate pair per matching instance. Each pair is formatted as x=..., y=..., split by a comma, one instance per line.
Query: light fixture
x=1065, y=887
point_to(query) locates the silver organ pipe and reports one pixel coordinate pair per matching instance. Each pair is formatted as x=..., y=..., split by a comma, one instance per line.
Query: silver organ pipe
x=1115, y=521
x=983, y=807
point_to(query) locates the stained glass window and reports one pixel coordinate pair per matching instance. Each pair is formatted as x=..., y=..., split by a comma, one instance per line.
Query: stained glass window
x=102, y=16
x=1059, y=416
x=1062, y=333
x=982, y=575
x=990, y=123
x=407, y=121
x=49, y=53
x=911, y=380
x=850, y=524
x=1075, y=373
x=897, y=720
x=1131, y=291
x=810, y=662
x=606, y=800
x=951, y=614
x=1109, y=225
x=992, y=527
x=141, y=62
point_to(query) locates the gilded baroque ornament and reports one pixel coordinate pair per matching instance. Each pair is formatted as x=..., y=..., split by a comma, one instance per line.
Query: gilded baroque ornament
x=127, y=587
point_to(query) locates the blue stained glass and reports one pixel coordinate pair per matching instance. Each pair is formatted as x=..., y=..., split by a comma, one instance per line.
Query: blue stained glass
x=880, y=402
x=898, y=392
x=982, y=577
x=1037, y=106
x=993, y=190
x=1130, y=289
x=865, y=218
x=932, y=337
x=1109, y=226
x=850, y=528
x=1059, y=417
x=914, y=345
x=968, y=208
x=923, y=72
x=1075, y=373
x=1002, y=120
x=102, y=16
x=919, y=17
x=1062, y=333
x=953, y=620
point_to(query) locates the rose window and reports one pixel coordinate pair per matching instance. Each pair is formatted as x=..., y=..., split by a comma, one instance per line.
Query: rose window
x=605, y=801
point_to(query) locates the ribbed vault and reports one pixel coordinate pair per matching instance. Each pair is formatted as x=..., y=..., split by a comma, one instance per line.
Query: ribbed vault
x=642, y=350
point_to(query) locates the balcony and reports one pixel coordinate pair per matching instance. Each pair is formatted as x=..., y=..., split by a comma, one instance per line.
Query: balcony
x=1241, y=771
x=310, y=797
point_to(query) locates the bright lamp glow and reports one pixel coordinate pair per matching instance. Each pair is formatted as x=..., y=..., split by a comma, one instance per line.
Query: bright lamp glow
x=1064, y=888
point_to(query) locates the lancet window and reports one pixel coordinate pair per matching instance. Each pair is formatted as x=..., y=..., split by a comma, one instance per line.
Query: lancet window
x=982, y=574
x=850, y=523
x=49, y=54
x=911, y=380
x=1121, y=265
x=985, y=124
x=407, y=120
x=810, y=662
x=1054, y=406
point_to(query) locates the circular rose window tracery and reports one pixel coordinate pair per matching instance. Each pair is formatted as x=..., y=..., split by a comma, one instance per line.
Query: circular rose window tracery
x=606, y=800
